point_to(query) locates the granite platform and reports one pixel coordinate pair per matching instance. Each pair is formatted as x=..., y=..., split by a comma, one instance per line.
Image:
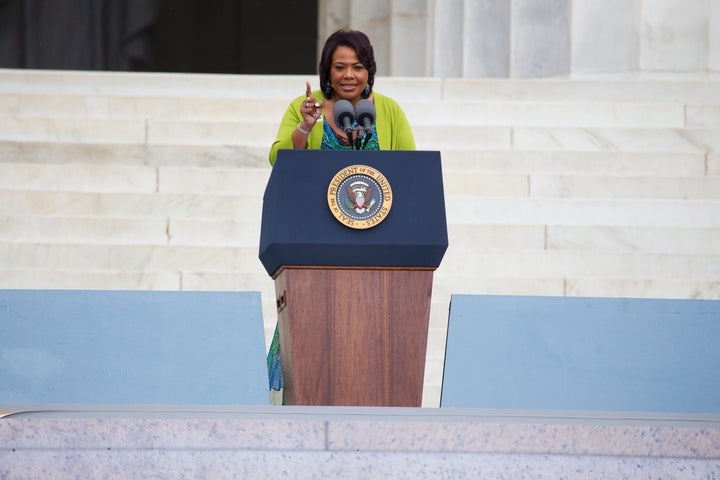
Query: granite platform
x=129, y=442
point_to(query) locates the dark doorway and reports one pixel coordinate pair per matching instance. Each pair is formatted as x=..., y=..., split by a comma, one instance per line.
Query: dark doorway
x=189, y=36
x=236, y=36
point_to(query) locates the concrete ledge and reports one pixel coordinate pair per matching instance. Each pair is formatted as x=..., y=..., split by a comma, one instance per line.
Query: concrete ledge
x=348, y=442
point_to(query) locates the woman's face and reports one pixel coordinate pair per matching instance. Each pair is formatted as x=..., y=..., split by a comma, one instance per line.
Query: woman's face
x=348, y=76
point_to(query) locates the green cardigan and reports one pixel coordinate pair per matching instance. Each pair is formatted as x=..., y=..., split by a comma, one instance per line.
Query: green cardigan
x=393, y=129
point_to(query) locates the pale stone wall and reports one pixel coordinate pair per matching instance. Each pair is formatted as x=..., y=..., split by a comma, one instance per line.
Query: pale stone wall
x=532, y=38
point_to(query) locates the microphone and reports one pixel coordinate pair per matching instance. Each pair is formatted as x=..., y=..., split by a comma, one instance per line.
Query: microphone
x=365, y=113
x=344, y=114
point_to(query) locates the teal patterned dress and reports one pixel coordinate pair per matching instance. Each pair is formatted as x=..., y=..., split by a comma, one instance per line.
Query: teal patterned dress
x=273, y=363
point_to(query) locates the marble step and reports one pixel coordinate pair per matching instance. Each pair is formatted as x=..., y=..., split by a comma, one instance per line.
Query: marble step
x=150, y=84
x=516, y=264
x=251, y=134
x=558, y=161
x=699, y=89
x=125, y=231
x=573, y=286
x=447, y=283
x=517, y=222
x=584, y=263
x=445, y=112
x=137, y=131
x=680, y=213
x=138, y=154
x=585, y=282
x=483, y=222
x=568, y=139
x=146, y=279
x=569, y=162
x=55, y=279
x=587, y=186
x=553, y=263
x=592, y=238
x=708, y=289
x=250, y=182
x=96, y=230
x=119, y=257
x=147, y=205
x=580, y=186
x=133, y=107
x=559, y=114
x=246, y=182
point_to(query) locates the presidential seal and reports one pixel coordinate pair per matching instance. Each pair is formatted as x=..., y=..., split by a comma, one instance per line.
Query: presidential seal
x=359, y=197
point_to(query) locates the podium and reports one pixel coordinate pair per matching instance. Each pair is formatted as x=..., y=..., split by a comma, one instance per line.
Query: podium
x=353, y=303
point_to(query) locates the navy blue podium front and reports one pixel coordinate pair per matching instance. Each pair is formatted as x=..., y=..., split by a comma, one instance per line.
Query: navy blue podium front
x=298, y=228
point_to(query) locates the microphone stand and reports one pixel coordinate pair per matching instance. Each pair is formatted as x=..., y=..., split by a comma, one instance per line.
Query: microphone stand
x=368, y=134
x=357, y=142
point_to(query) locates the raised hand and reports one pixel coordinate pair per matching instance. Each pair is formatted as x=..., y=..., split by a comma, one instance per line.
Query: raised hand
x=310, y=108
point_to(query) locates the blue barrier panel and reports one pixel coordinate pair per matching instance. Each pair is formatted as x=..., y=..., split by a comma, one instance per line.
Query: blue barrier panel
x=131, y=347
x=570, y=353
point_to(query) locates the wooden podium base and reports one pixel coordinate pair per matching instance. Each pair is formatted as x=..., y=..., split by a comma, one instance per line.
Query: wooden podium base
x=353, y=336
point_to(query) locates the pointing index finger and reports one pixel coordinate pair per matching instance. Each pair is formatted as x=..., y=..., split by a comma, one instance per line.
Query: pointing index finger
x=308, y=89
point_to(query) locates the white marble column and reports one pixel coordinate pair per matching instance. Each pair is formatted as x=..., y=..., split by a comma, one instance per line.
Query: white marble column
x=540, y=38
x=408, y=35
x=447, y=45
x=532, y=38
x=486, y=42
x=332, y=15
x=674, y=35
x=605, y=36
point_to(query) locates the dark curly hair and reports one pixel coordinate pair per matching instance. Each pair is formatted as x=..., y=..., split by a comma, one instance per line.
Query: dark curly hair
x=356, y=40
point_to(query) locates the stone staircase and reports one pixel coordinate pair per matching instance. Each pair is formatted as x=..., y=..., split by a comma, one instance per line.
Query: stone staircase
x=595, y=186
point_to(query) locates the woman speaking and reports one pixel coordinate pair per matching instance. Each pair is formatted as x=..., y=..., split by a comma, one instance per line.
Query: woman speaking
x=366, y=120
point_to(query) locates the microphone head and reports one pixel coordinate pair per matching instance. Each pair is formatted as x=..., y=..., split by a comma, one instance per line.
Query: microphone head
x=365, y=109
x=344, y=113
